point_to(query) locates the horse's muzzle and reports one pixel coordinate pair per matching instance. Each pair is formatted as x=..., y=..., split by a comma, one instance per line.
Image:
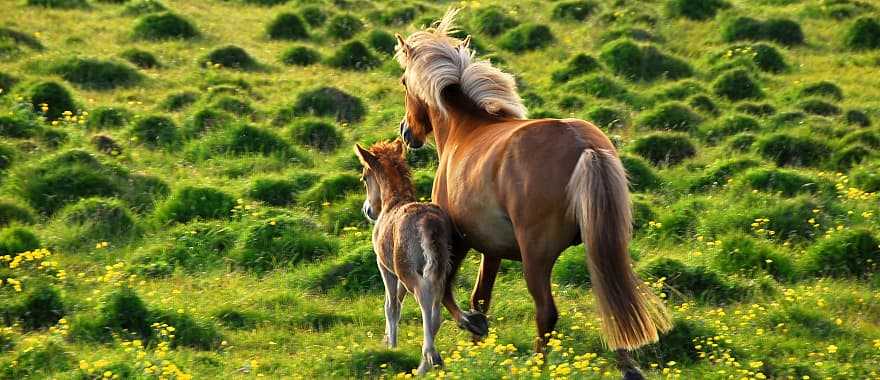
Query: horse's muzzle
x=406, y=134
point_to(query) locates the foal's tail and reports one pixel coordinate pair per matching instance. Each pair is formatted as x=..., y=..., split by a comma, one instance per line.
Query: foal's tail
x=435, y=237
x=599, y=198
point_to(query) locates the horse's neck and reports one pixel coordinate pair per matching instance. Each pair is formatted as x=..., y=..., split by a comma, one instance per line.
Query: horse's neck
x=454, y=124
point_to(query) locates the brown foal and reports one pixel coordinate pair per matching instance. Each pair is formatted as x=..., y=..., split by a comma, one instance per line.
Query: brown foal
x=411, y=241
x=524, y=190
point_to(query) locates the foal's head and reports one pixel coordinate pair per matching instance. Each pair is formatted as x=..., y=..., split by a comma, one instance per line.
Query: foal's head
x=385, y=175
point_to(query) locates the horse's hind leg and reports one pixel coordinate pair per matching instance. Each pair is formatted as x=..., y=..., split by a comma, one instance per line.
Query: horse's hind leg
x=458, y=252
x=481, y=297
x=392, y=305
x=538, y=259
x=628, y=366
x=431, y=324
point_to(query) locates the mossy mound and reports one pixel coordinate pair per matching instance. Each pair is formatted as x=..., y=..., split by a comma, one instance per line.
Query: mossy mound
x=300, y=56
x=7, y=82
x=848, y=253
x=59, y=4
x=19, y=38
x=526, y=37
x=679, y=345
x=647, y=63
x=316, y=134
x=664, y=148
x=155, y=132
x=730, y=125
x=164, y=26
x=695, y=9
x=191, y=202
x=857, y=117
x=55, y=96
x=848, y=156
x=674, y=116
x=698, y=282
x=608, y=117
x=492, y=21
x=863, y=34
x=762, y=56
x=351, y=274
x=314, y=15
x=703, y=103
x=866, y=177
x=43, y=361
x=819, y=107
x=141, y=58
x=680, y=90
x=143, y=7
x=330, y=189
x=571, y=103
x=282, y=241
x=13, y=212
x=600, y=86
x=205, y=121
x=245, y=139
x=50, y=184
x=740, y=253
x=641, y=176
x=108, y=118
x=41, y=308
x=8, y=155
x=869, y=138
x=95, y=220
x=15, y=240
x=756, y=109
x=784, y=181
x=382, y=41
x=578, y=65
x=577, y=10
x=325, y=101
x=371, y=363
x=782, y=31
x=344, y=26
x=178, y=101
x=823, y=89
x=398, y=16
x=193, y=247
x=94, y=74
x=281, y=191
x=233, y=105
x=344, y=214
x=737, y=85
x=287, y=26
x=13, y=127
x=353, y=55
x=231, y=56
x=791, y=150
x=720, y=173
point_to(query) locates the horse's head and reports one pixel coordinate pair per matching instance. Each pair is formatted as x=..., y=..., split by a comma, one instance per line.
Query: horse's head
x=416, y=124
x=384, y=170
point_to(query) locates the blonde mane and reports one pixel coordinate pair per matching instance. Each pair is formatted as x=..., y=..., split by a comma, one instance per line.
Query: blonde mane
x=434, y=60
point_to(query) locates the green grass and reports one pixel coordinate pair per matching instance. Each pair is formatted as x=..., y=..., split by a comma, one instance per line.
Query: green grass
x=751, y=143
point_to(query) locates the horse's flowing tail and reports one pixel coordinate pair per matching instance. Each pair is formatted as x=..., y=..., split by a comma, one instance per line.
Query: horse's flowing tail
x=599, y=198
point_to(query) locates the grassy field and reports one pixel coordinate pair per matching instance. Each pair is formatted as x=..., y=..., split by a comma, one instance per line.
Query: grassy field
x=178, y=196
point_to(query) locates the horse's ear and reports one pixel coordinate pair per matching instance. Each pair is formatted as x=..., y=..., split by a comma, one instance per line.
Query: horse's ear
x=402, y=46
x=366, y=158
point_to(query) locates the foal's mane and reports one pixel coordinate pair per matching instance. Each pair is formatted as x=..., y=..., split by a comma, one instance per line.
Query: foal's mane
x=434, y=60
x=397, y=173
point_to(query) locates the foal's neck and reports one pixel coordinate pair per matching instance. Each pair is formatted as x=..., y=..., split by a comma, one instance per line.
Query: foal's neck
x=396, y=194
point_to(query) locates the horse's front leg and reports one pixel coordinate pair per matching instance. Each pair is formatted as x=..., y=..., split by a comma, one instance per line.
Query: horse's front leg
x=392, y=305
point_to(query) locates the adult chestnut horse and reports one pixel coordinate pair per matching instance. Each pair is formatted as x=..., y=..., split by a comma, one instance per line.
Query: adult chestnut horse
x=523, y=189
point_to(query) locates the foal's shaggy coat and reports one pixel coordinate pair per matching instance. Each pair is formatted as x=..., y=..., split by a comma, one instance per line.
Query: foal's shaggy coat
x=411, y=241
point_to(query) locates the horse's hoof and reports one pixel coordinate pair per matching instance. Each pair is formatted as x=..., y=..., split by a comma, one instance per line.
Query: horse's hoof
x=633, y=374
x=475, y=322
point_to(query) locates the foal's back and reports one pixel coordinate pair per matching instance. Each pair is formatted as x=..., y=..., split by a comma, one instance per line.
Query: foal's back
x=413, y=241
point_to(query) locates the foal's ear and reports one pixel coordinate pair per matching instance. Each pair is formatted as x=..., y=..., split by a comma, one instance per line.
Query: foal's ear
x=367, y=159
x=398, y=146
x=402, y=46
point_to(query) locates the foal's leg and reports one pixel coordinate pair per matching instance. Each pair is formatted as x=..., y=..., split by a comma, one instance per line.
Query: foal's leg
x=392, y=305
x=428, y=304
x=482, y=296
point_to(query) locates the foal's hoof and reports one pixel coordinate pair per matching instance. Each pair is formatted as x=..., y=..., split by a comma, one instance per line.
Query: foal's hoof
x=633, y=374
x=475, y=322
x=429, y=361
